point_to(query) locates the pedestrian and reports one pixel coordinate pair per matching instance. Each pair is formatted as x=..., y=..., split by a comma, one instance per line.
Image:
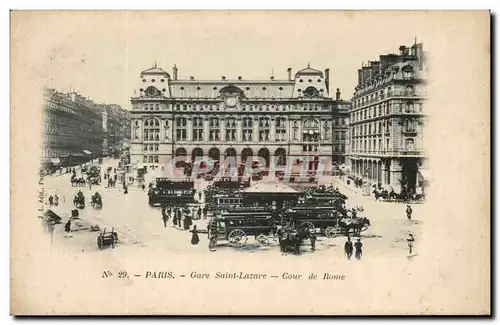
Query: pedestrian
x=187, y=222
x=205, y=210
x=408, y=212
x=312, y=238
x=348, y=248
x=410, y=241
x=199, y=212
x=143, y=187
x=359, y=251
x=125, y=191
x=199, y=196
x=194, y=238
x=165, y=219
x=51, y=200
x=175, y=220
x=67, y=228
x=212, y=244
x=56, y=200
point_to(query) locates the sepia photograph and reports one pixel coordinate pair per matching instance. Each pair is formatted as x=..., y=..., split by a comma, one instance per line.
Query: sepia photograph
x=249, y=163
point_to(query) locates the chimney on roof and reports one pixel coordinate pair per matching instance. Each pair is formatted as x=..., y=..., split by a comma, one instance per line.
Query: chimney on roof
x=327, y=80
x=239, y=78
x=223, y=77
x=402, y=50
x=289, y=70
x=360, y=77
x=337, y=94
x=174, y=70
x=191, y=78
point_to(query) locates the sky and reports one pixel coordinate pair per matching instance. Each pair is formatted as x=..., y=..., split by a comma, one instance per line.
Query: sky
x=101, y=54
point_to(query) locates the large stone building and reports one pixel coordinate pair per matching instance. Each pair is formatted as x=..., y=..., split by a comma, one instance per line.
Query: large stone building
x=76, y=129
x=116, y=128
x=387, y=120
x=273, y=119
x=72, y=128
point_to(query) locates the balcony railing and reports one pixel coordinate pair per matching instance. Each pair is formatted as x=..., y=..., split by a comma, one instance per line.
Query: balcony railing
x=389, y=153
x=393, y=94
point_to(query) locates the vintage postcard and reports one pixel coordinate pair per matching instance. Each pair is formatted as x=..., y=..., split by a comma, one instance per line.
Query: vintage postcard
x=250, y=163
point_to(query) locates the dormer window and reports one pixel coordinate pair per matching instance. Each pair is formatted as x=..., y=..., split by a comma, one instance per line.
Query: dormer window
x=408, y=73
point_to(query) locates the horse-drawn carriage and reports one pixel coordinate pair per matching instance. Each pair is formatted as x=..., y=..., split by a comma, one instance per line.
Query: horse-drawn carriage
x=235, y=226
x=392, y=196
x=168, y=191
x=79, y=201
x=96, y=201
x=324, y=220
x=107, y=239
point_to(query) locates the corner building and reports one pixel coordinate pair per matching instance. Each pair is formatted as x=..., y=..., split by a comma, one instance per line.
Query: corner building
x=387, y=120
x=278, y=120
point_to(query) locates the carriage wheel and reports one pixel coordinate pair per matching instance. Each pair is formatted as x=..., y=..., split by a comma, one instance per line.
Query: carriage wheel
x=308, y=225
x=237, y=238
x=331, y=232
x=263, y=239
x=100, y=242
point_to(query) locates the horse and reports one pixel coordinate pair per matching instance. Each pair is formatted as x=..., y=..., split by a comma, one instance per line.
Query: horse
x=357, y=225
x=291, y=239
x=380, y=194
x=79, y=201
x=96, y=202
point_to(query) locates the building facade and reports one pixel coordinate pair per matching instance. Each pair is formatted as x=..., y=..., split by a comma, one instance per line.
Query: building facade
x=278, y=120
x=72, y=127
x=116, y=128
x=387, y=120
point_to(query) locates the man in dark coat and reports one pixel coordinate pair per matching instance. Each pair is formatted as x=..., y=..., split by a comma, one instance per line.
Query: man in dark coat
x=165, y=219
x=312, y=238
x=359, y=251
x=348, y=248
x=199, y=212
x=408, y=212
x=67, y=228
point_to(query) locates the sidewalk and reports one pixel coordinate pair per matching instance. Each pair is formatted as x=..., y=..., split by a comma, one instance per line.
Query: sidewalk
x=342, y=185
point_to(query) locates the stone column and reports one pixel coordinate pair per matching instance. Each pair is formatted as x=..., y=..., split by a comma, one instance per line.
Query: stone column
x=189, y=129
x=206, y=129
x=272, y=130
x=239, y=135
x=255, y=135
x=222, y=129
x=395, y=174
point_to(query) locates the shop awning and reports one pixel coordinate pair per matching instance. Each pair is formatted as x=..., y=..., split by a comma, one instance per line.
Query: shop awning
x=87, y=152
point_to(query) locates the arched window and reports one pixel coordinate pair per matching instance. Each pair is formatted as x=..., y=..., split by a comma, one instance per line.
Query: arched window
x=407, y=72
x=280, y=129
x=247, y=128
x=152, y=130
x=264, y=129
x=214, y=129
x=181, y=128
x=310, y=132
x=197, y=129
x=231, y=129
